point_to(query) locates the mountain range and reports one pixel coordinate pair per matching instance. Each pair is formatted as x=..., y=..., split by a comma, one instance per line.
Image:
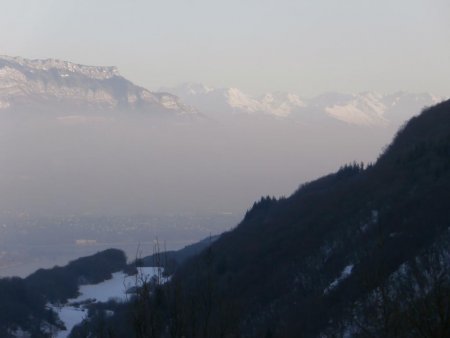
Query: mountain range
x=66, y=88
x=360, y=252
x=362, y=109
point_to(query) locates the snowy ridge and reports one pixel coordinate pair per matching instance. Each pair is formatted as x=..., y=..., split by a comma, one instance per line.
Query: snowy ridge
x=277, y=104
x=281, y=104
x=63, y=86
x=361, y=109
x=346, y=272
x=94, y=72
x=60, y=86
x=233, y=100
x=238, y=100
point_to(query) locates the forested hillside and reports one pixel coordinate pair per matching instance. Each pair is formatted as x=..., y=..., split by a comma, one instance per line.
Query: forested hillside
x=363, y=252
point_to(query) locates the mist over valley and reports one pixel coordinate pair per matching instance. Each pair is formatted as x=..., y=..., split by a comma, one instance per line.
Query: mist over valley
x=88, y=155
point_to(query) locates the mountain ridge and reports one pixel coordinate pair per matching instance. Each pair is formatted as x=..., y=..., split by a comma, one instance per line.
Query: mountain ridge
x=64, y=87
x=359, y=109
x=53, y=85
x=97, y=72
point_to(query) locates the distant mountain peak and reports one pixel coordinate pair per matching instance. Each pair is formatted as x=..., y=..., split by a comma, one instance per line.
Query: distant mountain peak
x=53, y=85
x=366, y=108
x=239, y=100
x=281, y=104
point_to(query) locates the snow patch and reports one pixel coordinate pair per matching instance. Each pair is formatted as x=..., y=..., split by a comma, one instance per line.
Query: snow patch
x=239, y=100
x=344, y=275
x=280, y=104
x=115, y=288
x=375, y=216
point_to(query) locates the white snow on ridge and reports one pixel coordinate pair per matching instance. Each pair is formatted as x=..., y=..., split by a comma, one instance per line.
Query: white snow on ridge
x=370, y=109
x=234, y=100
x=349, y=114
x=49, y=87
x=364, y=109
x=95, y=72
x=239, y=100
x=346, y=272
x=280, y=104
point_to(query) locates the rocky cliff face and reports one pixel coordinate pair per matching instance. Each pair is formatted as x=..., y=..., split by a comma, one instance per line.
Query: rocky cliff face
x=58, y=86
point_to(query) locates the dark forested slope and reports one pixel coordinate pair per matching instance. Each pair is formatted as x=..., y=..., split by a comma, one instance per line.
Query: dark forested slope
x=299, y=266
x=363, y=252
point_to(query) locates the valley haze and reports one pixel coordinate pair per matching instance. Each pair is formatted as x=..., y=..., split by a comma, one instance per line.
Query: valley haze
x=197, y=169
x=83, y=142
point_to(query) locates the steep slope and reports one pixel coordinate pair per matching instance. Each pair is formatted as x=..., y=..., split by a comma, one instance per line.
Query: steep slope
x=363, y=252
x=171, y=259
x=297, y=266
x=61, y=86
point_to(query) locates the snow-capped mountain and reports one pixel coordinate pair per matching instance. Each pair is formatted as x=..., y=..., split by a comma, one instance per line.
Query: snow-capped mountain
x=216, y=101
x=55, y=85
x=281, y=104
x=371, y=108
x=64, y=87
x=363, y=109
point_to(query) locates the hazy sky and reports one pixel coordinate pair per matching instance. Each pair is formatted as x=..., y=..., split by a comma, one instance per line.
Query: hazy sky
x=257, y=45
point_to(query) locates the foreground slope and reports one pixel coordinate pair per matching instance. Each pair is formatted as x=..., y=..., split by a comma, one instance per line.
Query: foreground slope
x=296, y=266
x=363, y=252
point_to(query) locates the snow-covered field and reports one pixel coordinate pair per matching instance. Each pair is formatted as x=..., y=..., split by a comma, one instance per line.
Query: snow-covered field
x=114, y=288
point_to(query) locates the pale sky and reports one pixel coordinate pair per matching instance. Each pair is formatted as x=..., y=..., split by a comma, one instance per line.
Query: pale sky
x=307, y=47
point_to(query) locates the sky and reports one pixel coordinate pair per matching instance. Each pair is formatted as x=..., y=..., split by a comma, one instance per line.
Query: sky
x=307, y=47
x=131, y=165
